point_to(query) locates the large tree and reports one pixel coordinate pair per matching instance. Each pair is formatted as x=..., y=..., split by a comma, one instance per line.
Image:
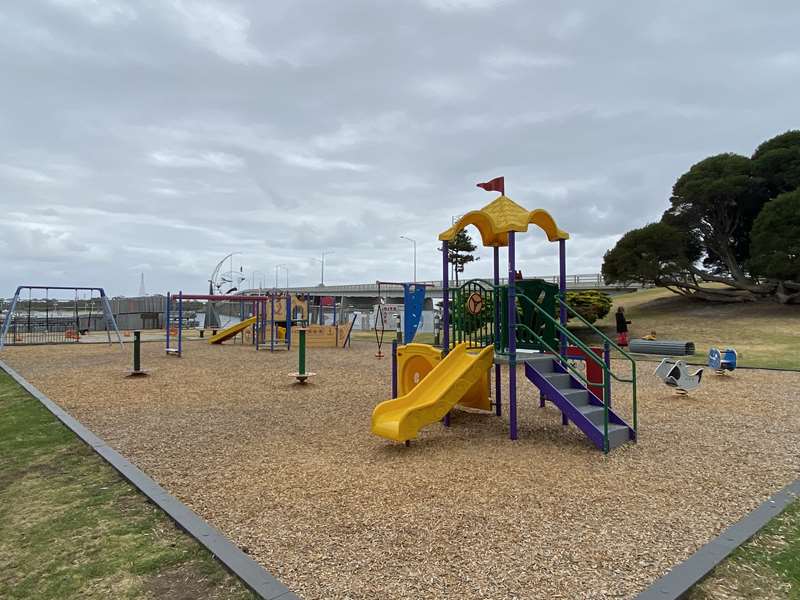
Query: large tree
x=717, y=201
x=777, y=161
x=776, y=244
x=704, y=237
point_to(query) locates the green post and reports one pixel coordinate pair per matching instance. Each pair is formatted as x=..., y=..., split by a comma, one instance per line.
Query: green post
x=137, y=354
x=302, y=353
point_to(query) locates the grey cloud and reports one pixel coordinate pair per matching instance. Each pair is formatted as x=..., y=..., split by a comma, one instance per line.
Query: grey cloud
x=161, y=135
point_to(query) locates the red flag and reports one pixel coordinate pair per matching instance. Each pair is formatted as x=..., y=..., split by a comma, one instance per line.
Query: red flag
x=498, y=184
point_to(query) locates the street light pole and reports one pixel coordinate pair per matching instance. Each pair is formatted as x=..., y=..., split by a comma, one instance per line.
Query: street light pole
x=322, y=266
x=277, y=267
x=414, y=242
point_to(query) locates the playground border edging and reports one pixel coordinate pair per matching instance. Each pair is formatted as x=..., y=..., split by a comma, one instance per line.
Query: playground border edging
x=252, y=574
x=677, y=582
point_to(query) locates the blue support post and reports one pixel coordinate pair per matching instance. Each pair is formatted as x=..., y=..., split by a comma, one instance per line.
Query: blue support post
x=512, y=339
x=498, y=386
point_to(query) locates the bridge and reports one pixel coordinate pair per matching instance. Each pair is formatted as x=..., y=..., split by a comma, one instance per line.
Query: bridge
x=592, y=281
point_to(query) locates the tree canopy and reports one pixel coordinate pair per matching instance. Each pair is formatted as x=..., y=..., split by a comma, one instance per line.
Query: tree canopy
x=708, y=233
x=776, y=242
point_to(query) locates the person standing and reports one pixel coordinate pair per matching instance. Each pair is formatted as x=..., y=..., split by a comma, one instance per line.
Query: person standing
x=622, y=327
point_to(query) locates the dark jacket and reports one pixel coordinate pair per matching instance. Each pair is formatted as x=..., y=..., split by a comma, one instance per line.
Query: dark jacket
x=622, y=324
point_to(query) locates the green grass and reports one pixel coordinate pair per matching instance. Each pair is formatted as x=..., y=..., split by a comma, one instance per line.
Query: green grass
x=768, y=566
x=71, y=527
x=764, y=334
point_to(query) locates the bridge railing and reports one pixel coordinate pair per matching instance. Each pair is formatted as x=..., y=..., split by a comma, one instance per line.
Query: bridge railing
x=574, y=281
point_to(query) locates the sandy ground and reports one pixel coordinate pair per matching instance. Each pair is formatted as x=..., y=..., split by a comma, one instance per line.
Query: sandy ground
x=293, y=474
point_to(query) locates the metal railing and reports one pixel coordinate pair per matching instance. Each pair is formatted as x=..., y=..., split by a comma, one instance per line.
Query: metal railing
x=579, y=280
x=608, y=373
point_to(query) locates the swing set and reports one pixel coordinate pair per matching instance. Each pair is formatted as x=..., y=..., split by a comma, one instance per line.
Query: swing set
x=49, y=320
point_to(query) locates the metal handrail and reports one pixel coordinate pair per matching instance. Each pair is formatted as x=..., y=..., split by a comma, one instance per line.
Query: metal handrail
x=590, y=355
x=565, y=363
x=611, y=344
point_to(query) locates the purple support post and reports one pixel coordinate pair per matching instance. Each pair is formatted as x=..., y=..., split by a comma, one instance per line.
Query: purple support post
x=394, y=369
x=272, y=330
x=562, y=291
x=497, y=370
x=288, y=321
x=445, y=311
x=180, y=323
x=512, y=339
x=607, y=360
x=166, y=318
x=263, y=322
x=445, y=301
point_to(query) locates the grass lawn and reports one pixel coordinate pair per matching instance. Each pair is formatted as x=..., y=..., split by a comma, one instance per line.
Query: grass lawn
x=71, y=527
x=764, y=335
x=768, y=566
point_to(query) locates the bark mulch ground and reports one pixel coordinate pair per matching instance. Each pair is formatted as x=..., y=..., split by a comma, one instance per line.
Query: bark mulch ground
x=293, y=475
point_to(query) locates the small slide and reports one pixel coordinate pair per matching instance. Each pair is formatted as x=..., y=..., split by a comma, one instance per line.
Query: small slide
x=231, y=331
x=433, y=397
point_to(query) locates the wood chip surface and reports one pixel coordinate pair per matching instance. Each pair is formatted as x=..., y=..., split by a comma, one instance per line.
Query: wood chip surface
x=292, y=474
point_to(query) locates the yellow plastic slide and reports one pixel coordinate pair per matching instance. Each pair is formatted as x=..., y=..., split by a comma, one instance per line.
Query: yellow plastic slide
x=433, y=397
x=231, y=331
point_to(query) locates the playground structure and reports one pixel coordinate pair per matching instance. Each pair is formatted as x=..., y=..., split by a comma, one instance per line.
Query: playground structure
x=498, y=321
x=268, y=322
x=40, y=323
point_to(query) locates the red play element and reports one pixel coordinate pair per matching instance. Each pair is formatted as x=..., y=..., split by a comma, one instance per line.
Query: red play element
x=594, y=372
x=498, y=184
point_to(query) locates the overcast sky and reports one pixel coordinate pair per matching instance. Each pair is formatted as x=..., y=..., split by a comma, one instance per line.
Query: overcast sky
x=157, y=136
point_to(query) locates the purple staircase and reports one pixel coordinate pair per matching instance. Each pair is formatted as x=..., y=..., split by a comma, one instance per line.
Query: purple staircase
x=576, y=403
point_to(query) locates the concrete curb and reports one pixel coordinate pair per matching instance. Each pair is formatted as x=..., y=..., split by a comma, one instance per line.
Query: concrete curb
x=253, y=575
x=680, y=579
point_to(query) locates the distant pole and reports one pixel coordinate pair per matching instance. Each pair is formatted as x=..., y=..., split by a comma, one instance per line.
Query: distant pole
x=277, y=270
x=414, y=244
x=322, y=263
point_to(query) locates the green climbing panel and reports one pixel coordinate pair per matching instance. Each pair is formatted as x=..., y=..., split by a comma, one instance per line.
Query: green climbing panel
x=472, y=313
x=542, y=293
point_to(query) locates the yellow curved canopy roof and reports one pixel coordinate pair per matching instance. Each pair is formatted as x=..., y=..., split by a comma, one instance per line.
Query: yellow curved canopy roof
x=502, y=215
